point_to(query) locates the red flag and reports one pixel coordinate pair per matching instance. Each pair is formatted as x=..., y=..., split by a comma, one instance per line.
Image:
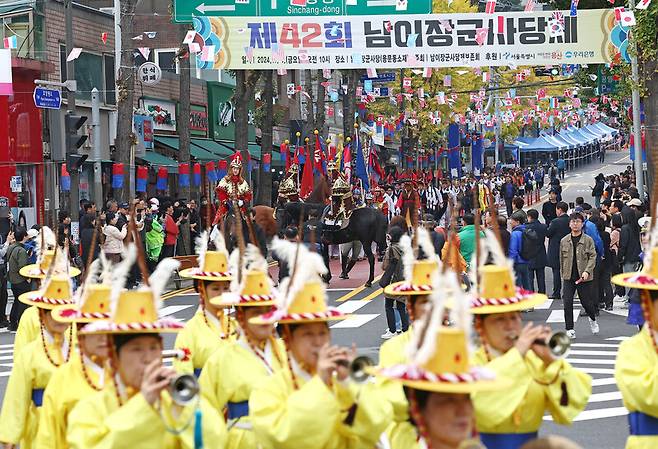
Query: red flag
x=286, y=152
x=307, y=177
x=347, y=163
x=318, y=157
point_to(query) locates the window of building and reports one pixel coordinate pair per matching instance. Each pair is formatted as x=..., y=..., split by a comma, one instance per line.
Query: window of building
x=165, y=58
x=91, y=70
x=28, y=29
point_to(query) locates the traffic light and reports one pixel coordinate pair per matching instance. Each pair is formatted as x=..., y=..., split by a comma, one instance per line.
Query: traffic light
x=72, y=123
x=553, y=71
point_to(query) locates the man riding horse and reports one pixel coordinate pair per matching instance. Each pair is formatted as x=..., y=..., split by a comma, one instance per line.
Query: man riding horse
x=232, y=187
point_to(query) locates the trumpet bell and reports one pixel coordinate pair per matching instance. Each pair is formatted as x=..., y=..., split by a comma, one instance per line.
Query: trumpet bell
x=559, y=344
x=184, y=389
x=358, y=367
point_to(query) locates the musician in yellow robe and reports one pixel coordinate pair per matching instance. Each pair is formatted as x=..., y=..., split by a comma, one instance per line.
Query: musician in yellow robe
x=636, y=369
x=35, y=363
x=81, y=376
x=238, y=367
x=136, y=409
x=540, y=382
x=313, y=404
x=437, y=378
x=211, y=326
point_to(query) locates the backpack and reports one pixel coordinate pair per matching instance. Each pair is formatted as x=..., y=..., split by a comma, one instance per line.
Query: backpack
x=530, y=244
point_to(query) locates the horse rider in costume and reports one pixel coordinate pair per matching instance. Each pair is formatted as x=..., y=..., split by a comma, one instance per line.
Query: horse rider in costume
x=28, y=326
x=36, y=362
x=437, y=379
x=211, y=326
x=341, y=207
x=540, y=382
x=238, y=367
x=232, y=187
x=409, y=200
x=84, y=373
x=414, y=292
x=135, y=408
x=636, y=369
x=312, y=404
x=289, y=187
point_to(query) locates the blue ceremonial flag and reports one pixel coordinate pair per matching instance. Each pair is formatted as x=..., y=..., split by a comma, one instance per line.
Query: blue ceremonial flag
x=361, y=170
x=454, y=153
x=574, y=8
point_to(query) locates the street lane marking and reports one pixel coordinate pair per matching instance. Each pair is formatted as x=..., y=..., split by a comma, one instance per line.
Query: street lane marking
x=618, y=338
x=599, y=353
x=181, y=291
x=604, y=397
x=589, y=370
x=355, y=321
x=170, y=310
x=591, y=361
x=352, y=306
x=594, y=345
x=604, y=381
x=598, y=414
x=373, y=295
x=545, y=306
x=557, y=316
x=356, y=291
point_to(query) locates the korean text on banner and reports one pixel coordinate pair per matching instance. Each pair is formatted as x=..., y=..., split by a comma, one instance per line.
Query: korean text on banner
x=378, y=41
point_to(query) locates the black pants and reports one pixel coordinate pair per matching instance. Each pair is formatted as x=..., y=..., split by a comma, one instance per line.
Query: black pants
x=167, y=251
x=18, y=307
x=540, y=275
x=561, y=172
x=586, y=299
x=604, y=286
x=557, y=282
x=389, y=303
x=508, y=206
x=3, y=298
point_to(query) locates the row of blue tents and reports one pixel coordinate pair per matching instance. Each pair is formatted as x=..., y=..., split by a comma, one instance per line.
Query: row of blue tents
x=567, y=138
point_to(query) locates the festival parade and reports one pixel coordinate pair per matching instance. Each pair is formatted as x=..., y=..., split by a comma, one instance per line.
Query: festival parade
x=328, y=224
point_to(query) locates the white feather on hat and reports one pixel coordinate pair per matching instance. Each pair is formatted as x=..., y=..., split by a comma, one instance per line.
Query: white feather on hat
x=45, y=240
x=160, y=277
x=306, y=266
x=408, y=257
x=120, y=275
x=201, y=247
x=251, y=260
x=93, y=271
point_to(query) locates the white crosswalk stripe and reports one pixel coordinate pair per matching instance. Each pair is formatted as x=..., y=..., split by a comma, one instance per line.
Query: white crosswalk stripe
x=598, y=359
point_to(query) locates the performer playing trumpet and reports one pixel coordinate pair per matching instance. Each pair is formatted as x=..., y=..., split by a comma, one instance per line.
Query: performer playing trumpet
x=135, y=408
x=311, y=404
x=541, y=382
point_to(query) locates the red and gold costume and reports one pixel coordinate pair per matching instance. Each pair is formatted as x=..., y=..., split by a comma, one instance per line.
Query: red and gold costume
x=232, y=187
x=409, y=201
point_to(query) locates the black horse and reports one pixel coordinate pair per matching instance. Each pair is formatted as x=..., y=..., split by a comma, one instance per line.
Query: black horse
x=366, y=225
x=293, y=211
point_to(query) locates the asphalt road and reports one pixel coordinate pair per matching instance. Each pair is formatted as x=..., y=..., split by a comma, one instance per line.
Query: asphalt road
x=602, y=425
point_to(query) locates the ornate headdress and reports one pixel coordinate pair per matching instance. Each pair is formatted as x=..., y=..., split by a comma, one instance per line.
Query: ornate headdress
x=236, y=160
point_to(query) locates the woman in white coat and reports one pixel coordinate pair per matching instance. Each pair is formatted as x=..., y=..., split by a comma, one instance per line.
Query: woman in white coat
x=113, y=244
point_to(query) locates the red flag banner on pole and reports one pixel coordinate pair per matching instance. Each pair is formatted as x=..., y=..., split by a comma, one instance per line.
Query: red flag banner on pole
x=307, y=177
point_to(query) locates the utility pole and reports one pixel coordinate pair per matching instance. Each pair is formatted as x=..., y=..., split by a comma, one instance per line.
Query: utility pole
x=637, y=134
x=74, y=195
x=96, y=146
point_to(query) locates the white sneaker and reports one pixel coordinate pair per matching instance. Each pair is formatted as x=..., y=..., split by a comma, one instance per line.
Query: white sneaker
x=594, y=326
x=572, y=334
x=388, y=334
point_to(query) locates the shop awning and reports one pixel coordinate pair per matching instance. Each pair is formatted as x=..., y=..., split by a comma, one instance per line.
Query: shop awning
x=213, y=147
x=158, y=160
x=16, y=6
x=254, y=148
x=197, y=152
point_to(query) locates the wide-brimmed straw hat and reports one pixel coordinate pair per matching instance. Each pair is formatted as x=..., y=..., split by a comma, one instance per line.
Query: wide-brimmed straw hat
x=213, y=265
x=56, y=291
x=497, y=293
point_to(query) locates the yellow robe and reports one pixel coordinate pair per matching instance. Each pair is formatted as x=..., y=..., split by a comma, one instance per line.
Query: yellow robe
x=393, y=352
x=28, y=328
x=230, y=375
x=520, y=408
x=66, y=388
x=313, y=416
x=19, y=419
x=98, y=422
x=202, y=340
x=402, y=435
x=636, y=373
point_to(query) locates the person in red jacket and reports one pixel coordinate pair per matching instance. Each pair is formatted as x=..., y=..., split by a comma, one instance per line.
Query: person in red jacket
x=231, y=188
x=171, y=228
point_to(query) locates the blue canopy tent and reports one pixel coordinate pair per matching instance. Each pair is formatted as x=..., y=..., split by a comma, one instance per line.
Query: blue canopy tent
x=541, y=149
x=595, y=131
x=603, y=127
x=593, y=136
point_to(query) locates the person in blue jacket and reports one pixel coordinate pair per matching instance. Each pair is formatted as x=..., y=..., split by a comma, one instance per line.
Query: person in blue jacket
x=521, y=268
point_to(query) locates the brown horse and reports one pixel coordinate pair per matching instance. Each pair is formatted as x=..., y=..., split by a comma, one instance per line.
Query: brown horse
x=264, y=217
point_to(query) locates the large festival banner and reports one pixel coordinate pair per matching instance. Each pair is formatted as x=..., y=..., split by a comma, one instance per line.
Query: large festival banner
x=427, y=40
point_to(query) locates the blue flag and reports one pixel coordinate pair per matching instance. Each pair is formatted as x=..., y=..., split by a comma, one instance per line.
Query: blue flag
x=361, y=170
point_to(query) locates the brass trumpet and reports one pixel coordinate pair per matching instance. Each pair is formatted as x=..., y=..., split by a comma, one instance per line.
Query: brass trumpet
x=185, y=387
x=559, y=343
x=357, y=368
